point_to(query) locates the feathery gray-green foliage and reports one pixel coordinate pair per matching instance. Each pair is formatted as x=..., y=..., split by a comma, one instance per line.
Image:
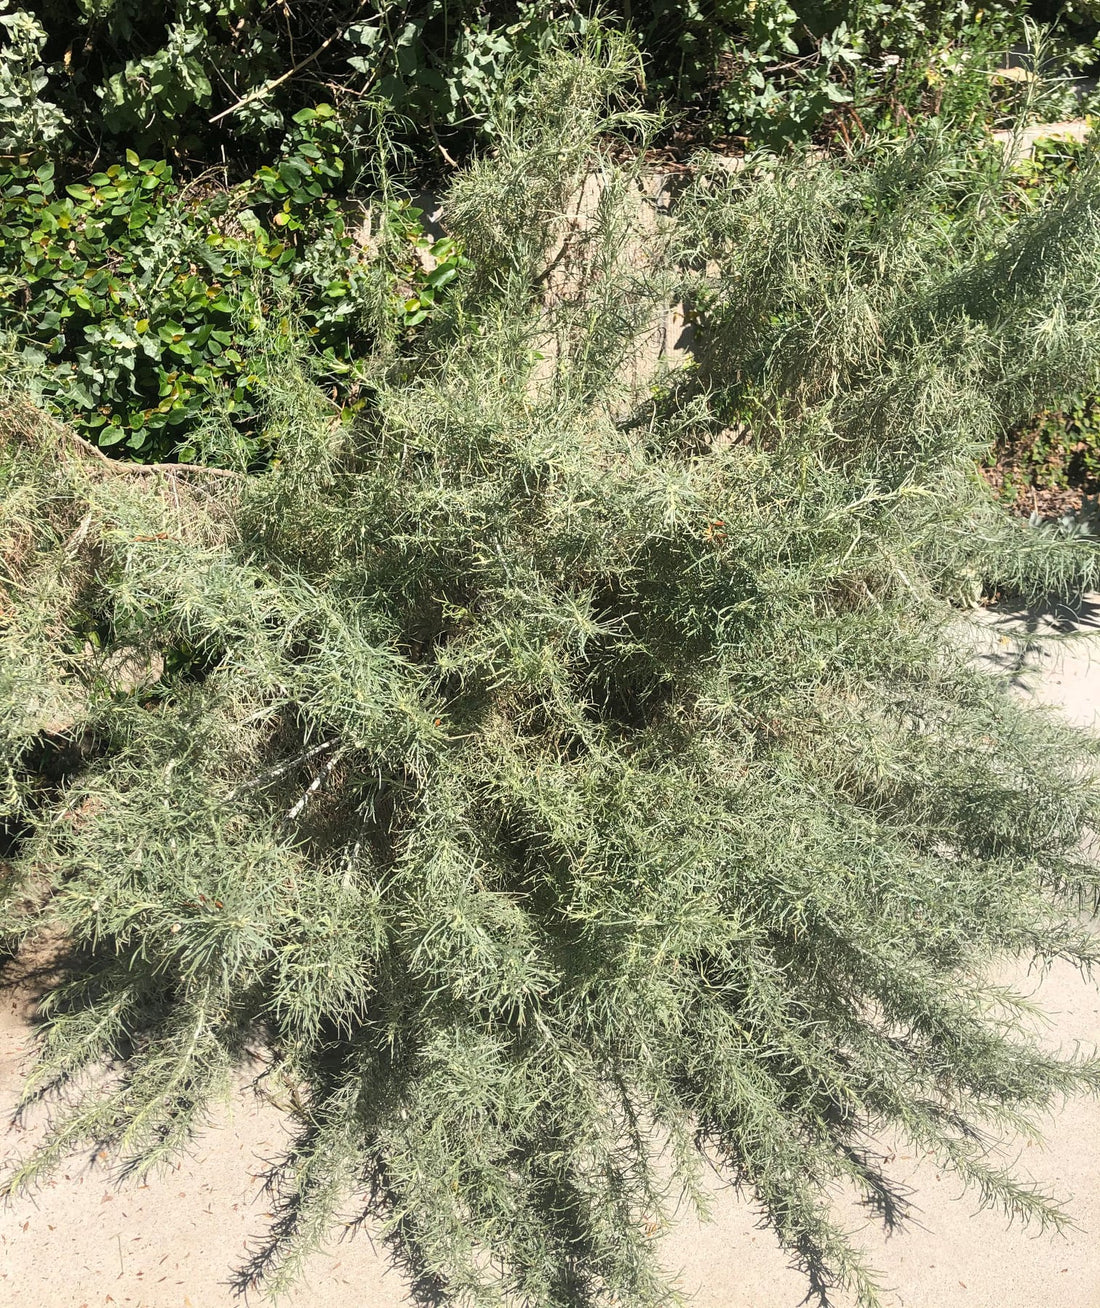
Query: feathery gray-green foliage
x=547, y=777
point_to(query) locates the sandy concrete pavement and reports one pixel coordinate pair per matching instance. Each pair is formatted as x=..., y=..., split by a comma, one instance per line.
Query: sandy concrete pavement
x=81, y=1242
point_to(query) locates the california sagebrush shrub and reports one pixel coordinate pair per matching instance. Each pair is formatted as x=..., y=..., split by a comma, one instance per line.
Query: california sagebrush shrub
x=1054, y=454
x=544, y=776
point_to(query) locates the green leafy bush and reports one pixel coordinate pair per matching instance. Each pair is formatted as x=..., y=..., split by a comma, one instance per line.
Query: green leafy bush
x=28, y=119
x=136, y=301
x=211, y=78
x=217, y=78
x=557, y=770
x=776, y=72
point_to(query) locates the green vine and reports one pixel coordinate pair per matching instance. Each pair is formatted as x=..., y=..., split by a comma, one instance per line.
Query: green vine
x=138, y=304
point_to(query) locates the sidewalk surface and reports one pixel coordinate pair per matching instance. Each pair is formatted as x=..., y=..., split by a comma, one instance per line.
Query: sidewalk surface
x=81, y=1242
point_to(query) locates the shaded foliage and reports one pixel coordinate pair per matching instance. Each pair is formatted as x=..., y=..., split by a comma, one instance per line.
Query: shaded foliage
x=217, y=79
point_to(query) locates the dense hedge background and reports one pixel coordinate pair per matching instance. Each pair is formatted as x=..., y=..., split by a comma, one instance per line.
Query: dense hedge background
x=218, y=81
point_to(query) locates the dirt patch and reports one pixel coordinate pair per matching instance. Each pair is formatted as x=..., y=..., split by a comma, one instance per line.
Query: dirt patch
x=1026, y=499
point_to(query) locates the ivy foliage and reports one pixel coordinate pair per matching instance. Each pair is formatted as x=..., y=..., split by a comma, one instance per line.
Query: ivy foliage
x=569, y=781
x=138, y=303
